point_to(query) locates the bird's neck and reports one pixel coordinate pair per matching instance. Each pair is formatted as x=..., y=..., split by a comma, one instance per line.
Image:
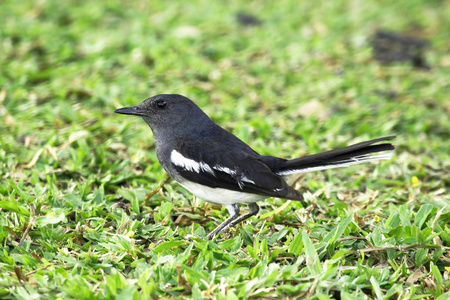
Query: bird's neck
x=194, y=132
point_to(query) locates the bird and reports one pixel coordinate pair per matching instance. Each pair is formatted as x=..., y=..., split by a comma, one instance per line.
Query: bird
x=218, y=167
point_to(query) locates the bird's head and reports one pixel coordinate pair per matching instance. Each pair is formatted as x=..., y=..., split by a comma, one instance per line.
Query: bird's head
x=169, y=115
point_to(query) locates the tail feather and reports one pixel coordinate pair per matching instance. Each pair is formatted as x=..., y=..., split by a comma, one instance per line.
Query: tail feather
x=342, y=157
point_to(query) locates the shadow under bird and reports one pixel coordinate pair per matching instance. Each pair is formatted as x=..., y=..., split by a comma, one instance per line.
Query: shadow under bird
x=218, y=167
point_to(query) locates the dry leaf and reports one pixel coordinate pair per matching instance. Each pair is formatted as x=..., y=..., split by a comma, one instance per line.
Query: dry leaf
x=359, y=220
x=182, y=281
x=414, y=277
x=313, y=108
x=187, y=32
x=20, y=275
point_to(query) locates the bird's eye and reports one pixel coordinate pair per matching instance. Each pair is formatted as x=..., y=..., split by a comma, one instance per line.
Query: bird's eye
x=161, y=104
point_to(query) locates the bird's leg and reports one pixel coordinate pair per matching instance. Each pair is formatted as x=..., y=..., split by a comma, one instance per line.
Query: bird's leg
x=254, y=209
x=234, y=213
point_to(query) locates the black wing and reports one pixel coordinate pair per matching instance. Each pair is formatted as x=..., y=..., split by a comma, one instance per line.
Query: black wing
x=217, y=165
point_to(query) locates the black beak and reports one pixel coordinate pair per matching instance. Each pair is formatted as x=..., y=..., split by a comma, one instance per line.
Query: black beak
x=132, y=110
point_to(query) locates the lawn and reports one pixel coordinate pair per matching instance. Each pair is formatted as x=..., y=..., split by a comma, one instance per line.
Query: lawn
x=81, y=215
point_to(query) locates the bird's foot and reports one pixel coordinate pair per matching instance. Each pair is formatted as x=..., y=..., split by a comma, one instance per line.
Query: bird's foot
x=212, y=234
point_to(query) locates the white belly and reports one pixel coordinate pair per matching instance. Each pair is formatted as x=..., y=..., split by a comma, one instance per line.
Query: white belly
x=221, y=196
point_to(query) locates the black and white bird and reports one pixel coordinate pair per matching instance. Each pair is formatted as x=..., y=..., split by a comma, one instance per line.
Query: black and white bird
x=218, y=167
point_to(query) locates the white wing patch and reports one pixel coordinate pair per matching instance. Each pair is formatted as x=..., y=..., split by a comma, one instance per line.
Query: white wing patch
x=189, y=164
x=344, y=163
x=193, y=166
x=225, y=169
x=245, y=178
x=233, y=174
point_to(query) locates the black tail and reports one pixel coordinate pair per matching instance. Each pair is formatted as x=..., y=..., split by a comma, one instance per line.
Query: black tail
x=342, y=157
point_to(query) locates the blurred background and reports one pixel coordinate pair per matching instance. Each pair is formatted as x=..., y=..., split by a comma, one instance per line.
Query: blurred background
x=291, y=77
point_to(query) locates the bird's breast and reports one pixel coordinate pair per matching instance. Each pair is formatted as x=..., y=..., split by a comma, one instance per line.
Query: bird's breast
x=219, y=195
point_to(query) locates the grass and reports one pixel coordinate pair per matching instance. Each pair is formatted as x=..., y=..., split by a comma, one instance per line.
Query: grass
x=301, y=80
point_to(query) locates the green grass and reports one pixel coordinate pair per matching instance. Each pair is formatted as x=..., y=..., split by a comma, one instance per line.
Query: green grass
x=303, y=81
